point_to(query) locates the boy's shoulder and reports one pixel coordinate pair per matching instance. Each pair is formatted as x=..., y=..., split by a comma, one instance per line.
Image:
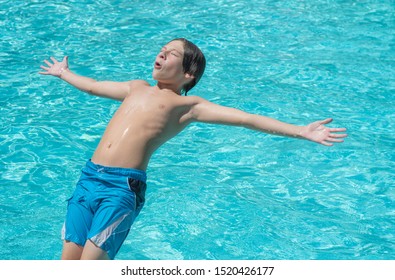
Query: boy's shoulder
x=193, y=99
x=138, y=86
x=139, y=83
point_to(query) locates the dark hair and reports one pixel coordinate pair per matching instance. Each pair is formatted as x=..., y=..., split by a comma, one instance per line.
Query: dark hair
x=193, y=63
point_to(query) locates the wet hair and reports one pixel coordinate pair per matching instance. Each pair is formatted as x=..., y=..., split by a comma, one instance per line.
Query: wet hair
x=193, y=63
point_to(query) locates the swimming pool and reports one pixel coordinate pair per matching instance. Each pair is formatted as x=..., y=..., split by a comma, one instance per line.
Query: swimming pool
x=214, y=192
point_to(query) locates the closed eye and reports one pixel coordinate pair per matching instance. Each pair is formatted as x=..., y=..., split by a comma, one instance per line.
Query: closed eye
x=173, y=52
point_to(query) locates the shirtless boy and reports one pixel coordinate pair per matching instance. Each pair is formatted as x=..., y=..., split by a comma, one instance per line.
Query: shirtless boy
x=110, y=192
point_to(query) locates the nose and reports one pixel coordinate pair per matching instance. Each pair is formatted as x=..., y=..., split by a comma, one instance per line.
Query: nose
x=162, y=55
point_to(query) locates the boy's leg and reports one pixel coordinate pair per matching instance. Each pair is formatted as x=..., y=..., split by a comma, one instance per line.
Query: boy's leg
x=93, y=252
x=71, y=251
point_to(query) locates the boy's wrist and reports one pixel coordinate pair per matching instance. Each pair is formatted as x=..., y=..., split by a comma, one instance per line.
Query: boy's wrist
x=62, y=71
x=302, y=132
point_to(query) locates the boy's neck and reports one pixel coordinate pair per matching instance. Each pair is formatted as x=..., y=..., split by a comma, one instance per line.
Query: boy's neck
x=175, y=89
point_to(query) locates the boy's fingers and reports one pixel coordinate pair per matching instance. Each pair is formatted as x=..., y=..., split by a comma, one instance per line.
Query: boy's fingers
x=326, y=144
x=54, y=60
x=337, y=135
x=48, y=63
x=326, y=121
x=337, y=129
x=336, y=140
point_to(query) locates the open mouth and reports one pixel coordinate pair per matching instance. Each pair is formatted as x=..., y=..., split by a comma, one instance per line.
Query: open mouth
x=157, y=65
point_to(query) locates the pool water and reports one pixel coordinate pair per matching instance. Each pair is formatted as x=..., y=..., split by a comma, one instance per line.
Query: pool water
x=214, y=192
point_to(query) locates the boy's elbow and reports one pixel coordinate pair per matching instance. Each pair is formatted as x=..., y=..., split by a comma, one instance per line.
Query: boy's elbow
x=89, y=90
x=247, y=121
x=92, y=88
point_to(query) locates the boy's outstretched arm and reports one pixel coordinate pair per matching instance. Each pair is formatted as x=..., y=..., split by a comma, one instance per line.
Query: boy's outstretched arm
x=113, y=90
x=205, y=111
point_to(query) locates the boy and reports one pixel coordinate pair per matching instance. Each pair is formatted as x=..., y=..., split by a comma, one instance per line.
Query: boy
x=110, y=192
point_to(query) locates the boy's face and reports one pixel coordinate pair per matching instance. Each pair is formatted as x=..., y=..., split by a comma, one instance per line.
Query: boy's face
x=168, y=64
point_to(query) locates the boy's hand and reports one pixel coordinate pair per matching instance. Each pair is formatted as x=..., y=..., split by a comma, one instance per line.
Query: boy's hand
x=57, y=68
x=321, y=134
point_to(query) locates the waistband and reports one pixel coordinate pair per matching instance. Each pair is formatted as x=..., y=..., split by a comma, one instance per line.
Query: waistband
x=120, y=171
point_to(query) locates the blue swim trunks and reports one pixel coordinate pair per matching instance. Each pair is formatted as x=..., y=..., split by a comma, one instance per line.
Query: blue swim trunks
x=104, y=205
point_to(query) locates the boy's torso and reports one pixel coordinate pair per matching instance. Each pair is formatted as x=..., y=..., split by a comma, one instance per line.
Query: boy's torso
x=146, y=119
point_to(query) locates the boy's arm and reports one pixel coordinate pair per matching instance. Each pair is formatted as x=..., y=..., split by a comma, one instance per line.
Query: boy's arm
x=113, y=90
x=205, y=111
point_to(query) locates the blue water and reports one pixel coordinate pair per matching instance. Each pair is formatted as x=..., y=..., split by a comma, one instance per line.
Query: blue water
x=215, y=192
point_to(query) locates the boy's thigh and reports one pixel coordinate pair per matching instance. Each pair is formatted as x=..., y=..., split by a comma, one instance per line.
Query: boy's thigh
x=93, y=252
x=71, y=251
